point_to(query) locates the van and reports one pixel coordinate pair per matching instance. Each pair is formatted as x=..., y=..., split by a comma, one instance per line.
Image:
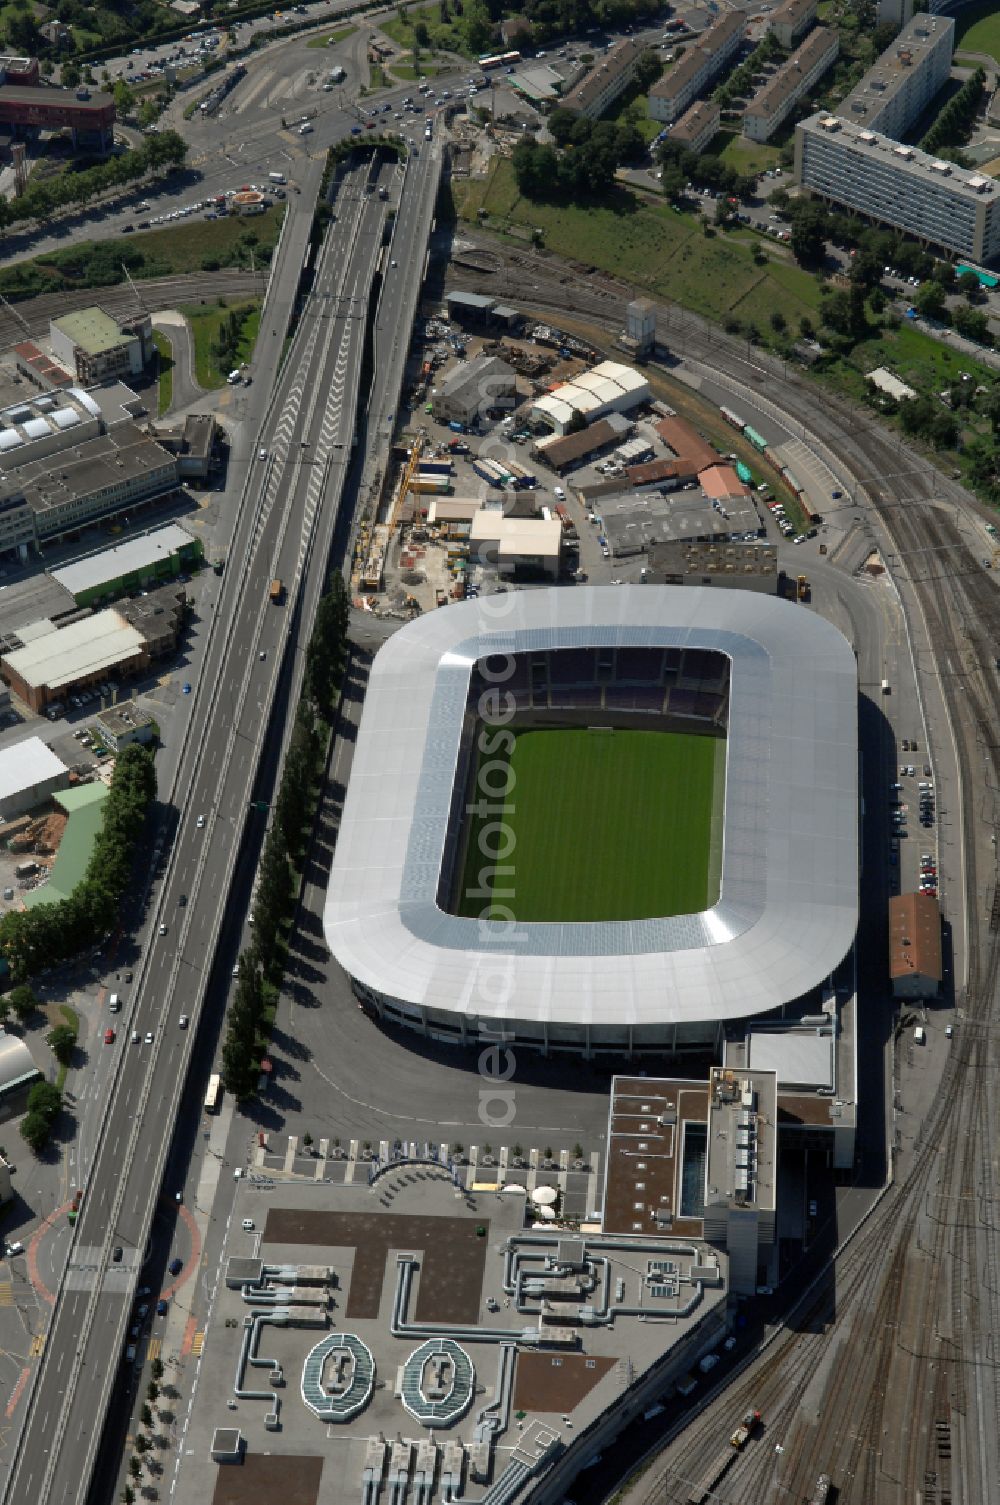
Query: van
x=114, y=1003
x=248, y=1225
x=920, y=1035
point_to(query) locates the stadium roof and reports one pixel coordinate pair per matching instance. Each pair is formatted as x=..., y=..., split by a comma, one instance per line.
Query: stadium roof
x=788, y=905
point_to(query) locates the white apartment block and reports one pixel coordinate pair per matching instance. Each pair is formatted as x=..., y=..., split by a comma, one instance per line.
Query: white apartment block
x=900, y=86
x=940, y=204
x=898, y=12
x=704, y=61
x=609, y=78
x=697, y=125
x=773, y=104
x=791, y=21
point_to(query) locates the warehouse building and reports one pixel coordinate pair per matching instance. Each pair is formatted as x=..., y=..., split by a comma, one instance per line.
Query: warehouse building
x=54, y=661
x=18, y=1074
x=915, y=945
x=473, y=388
x=607, y=388
x=27, y=109
x=515, y=543
x=900, y=86
x=30, y=773
x=99, y=347
x=945, y=206
x=772, y=105
x=704, y=60
x=791, y=21
x=562, y=452
x=697, y=126
x=690, y=449
x=131, y=566
x=97, y=479
x=720, y=483
x=609, y=78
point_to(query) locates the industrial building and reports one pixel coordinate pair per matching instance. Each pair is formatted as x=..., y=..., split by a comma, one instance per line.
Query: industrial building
x=899, y=87
x=945, y=206
x=99, y=347
x=53, y=661
x=561, y=452
x=633, y=521
x=514, y=543
x=772, y=105
x=45, y=425
x=30, y=773
x=123, y=724
x=788, y=22
x=192, y=441
x=700, y=65
x=697, y=126
x=609, y=77
x=474, y=388
x=131, y=566
x=481, y=315
x=788, y=899
x=915, y=963
x=745, y=566
x=607, y=388
x=100, y=478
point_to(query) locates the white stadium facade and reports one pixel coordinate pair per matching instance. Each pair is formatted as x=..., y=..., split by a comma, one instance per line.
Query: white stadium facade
x=787, y=905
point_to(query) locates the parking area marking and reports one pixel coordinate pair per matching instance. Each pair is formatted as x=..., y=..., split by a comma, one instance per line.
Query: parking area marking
x=22, y=1380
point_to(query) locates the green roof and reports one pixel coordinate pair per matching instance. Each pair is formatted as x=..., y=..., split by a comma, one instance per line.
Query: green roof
x=85, y=808
x=92, y=329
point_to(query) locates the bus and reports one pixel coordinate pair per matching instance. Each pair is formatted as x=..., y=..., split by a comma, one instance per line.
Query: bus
x=213, y=1096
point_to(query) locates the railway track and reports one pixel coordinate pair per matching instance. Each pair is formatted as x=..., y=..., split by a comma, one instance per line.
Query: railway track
x=863, y=1341
x=157, y=293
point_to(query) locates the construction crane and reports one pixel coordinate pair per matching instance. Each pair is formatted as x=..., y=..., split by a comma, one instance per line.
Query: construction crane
x=404, y=485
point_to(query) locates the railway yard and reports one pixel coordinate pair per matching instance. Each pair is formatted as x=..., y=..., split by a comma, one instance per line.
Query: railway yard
x=883, y=1375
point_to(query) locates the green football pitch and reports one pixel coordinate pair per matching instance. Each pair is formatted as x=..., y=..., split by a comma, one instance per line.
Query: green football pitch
x=605, y=825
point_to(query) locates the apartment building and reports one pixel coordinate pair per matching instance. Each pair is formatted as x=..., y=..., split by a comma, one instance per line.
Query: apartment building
x=947, y=207
x=773, y=104
x=697, y=125
x=791, y=21
x=610, y=76
x=899, y=87
x=898, y=12
x=704, y=60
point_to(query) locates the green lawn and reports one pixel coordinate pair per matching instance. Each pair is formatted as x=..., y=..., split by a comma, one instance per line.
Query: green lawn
x=206, y=321
x=331, y=38
x=977, y=29
x=447, y=37
x=650, y=244
x=165, y=370
x=746, y=156
x=606, y=826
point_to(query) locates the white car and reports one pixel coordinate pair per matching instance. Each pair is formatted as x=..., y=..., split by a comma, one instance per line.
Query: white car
x=262, y=455
x=183, y=1021
x=163, y=929
x=149, y=1037
x=201, y=823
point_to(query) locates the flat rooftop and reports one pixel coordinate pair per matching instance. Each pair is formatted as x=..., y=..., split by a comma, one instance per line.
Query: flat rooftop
x=65, y=656
x=893, y=70
x=26, y=764
x=92, y=330
x=128, y=558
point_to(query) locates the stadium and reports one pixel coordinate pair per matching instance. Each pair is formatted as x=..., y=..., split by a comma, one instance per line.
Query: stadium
x=600, y=820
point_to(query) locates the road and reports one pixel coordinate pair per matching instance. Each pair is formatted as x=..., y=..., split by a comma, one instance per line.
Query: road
x=287, y=516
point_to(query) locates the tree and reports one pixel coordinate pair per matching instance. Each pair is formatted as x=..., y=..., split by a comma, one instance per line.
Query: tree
x=134, y=1467
x=22, y=1000
x=62, y=1042
x=647, y=70
x=124, y=98
x=673, y=181
x=930, y=299
x=421, y=34
x=944, y=430
x=970, y=285
x=153, y=1389
x=916, y=414
x=146, y=1416
x=972, y=324
x=808, y=240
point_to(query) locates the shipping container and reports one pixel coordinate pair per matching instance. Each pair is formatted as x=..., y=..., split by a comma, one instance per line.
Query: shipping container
x=757, y=440
x=431, y=485
x=435, y=468
x=731, y=417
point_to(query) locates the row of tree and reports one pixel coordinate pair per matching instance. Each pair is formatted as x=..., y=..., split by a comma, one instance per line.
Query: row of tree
x=954, y=124
x=43, y=198
x=581, y=165
x=260, y=967
x=31, y=939
x=741, y=81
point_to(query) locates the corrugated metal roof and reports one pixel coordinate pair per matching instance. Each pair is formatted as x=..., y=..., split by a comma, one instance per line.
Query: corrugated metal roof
x=788, y=906
x=26, y=764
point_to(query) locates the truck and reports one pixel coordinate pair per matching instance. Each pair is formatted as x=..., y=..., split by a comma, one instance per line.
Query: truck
x=277, y=177
x=804, y=589
x=456, y=427
x=336, y=75
x=885, y=687
x=277, y=592
x=745, y=1430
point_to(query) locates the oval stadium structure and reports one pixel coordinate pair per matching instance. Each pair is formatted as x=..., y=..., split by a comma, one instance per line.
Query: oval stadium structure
x=600, y=819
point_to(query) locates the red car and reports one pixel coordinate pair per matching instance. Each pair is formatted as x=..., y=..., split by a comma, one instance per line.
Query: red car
x=109, y=1037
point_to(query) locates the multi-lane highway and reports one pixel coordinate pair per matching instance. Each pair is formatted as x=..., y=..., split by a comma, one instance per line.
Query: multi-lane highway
x=288, y=513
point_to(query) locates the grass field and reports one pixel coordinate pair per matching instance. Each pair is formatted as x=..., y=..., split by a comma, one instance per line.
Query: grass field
x=653, y=246
x=206, y=322
x=738, y=151
x=331, y=38
x=606, y=826
x=977, y=29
